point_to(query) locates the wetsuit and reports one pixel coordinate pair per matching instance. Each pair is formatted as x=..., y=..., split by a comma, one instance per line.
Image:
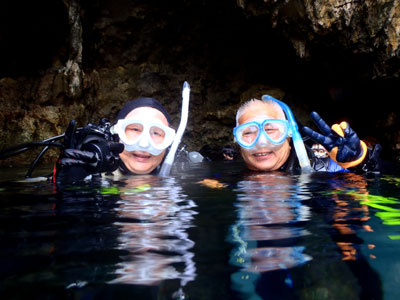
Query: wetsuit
x=370, y=163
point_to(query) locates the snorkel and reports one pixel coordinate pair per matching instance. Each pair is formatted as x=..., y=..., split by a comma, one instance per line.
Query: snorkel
x=296, y=137
x=166, y=166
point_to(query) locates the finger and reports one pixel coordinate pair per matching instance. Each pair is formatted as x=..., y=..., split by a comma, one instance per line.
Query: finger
x=352, y=140
x=346, y=128
x=68, y=162
x=321, y=124
x=315, y=136
x=86, y=156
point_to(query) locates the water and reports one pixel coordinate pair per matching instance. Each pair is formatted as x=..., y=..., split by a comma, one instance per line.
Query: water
x=211, y=231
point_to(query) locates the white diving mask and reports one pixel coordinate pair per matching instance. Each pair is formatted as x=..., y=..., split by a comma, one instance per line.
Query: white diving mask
x=144, y=134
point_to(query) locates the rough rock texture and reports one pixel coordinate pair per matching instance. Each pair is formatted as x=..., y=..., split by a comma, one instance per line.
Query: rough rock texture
x=370, y=27
x=326, y=55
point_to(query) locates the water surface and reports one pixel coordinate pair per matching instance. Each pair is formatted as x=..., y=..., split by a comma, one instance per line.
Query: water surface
x=210, y=231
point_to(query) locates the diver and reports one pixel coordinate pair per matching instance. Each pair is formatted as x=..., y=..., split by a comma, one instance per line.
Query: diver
x=228, y=153
x=319, y=151
x=269, y=140
x=323, y=157
x=144, y=143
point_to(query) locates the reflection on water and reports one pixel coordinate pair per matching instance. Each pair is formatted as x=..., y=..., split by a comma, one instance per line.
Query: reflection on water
x=210, y=232
x=347, y=215
x=270, y=210
x=153, y=216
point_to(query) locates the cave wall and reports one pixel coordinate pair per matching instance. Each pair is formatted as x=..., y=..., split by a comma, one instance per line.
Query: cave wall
x=340, y=58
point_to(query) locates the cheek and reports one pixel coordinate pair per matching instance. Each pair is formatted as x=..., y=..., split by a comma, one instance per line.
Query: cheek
x=158, y=159
x=283, y=152
x=246, y=154
x=124, y=155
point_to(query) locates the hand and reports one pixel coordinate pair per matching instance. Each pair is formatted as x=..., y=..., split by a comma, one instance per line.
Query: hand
x=341, y=141
x=88, y=150
x=75, y=157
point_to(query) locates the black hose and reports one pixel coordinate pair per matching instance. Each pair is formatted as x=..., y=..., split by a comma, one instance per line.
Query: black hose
x=33, y=165
x=25, y=147
x=12, y=151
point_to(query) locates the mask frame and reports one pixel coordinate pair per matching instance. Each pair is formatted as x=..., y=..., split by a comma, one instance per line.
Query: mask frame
x=144, y=142
x=261, y=131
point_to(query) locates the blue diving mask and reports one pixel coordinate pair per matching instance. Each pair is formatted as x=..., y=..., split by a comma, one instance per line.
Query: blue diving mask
x=262, y=132
x=144, y=134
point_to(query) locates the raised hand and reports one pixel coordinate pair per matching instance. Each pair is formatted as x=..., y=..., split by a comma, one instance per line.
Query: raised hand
x=340, y=141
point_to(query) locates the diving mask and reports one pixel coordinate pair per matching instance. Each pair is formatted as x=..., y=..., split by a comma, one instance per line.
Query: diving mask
x=148, y=135
x=319, y=151
x=262, y=132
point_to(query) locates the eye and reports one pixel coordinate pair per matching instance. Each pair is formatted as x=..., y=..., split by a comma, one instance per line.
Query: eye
x=270, y=129
x=157, y=132
x=248, y=132
x=134, y=129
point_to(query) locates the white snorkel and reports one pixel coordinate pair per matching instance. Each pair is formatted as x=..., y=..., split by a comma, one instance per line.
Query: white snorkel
x=296, y=137
x=169, y=160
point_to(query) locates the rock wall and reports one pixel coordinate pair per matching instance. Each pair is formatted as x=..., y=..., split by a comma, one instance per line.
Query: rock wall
x=370, y=27
x=83, y=60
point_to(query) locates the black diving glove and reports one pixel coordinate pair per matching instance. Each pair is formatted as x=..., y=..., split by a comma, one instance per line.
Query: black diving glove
x=75, y=157
x=74, y=165
x=341, y=142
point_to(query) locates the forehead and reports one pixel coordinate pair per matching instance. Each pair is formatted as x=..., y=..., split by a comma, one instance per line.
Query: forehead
x=147, y=112
x=256, y=110
x=317, y=147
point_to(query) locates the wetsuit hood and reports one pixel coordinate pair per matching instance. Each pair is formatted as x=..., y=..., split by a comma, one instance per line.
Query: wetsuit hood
x=142, y=102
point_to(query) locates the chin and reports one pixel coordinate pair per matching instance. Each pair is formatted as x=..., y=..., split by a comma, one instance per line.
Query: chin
x=262, y=168
x=142, y=171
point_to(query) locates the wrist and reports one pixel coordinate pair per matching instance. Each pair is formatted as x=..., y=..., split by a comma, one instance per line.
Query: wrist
x=356, y=162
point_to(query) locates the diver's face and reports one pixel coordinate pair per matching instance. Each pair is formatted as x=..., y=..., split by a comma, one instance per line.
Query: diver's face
x=140, y=162
x=263, y=158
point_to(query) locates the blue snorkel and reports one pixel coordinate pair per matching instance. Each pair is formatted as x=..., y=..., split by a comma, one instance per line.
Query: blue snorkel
x=169, y=160
x=296, y=137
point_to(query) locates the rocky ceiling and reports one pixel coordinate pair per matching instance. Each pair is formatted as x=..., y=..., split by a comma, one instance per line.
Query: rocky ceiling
x=71, y=59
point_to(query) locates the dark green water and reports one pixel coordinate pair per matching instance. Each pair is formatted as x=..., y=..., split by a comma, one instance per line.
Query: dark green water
x=239, y=236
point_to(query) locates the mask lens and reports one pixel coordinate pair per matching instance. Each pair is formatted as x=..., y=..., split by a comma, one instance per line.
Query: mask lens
x=133, y=132
x=248, y=134
x=157, y=135
x=275, y=130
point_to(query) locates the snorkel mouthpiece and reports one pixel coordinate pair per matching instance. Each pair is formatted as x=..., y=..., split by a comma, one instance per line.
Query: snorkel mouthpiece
x=296, y=137
x=166, y=166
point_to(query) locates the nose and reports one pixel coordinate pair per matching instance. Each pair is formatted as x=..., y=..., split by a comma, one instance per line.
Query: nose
x=144, y=141
x=262, y=140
